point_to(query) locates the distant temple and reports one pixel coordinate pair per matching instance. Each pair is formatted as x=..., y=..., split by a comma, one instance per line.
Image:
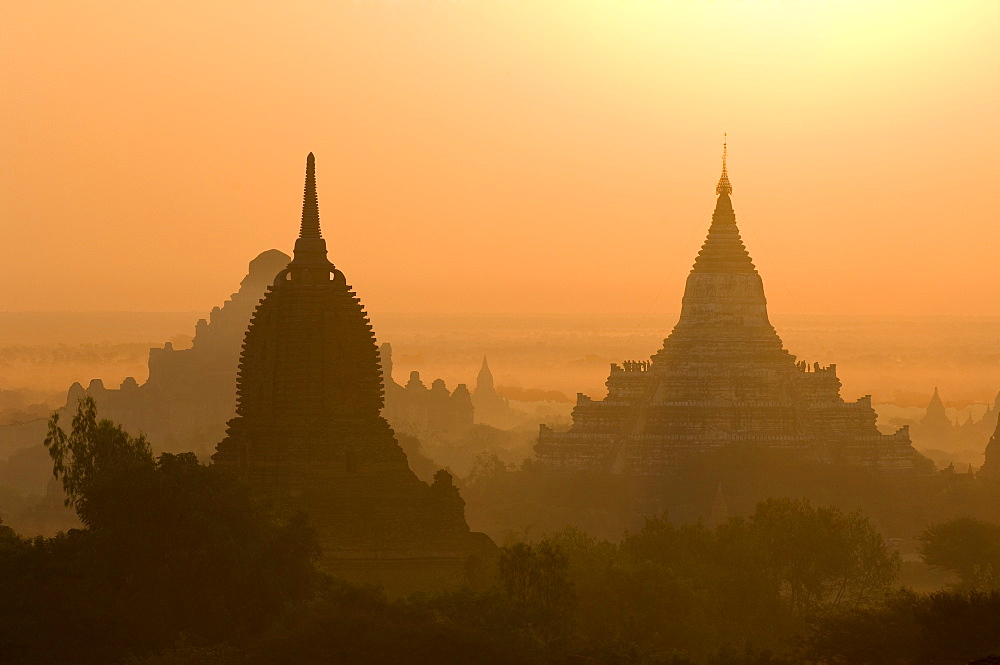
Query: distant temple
x=182, y=406
x=437, y=413
x=936, y=419
x=309, y=434
x=420, y=411
x=491, y=408
x=936, y=430
x=722, y=378
x=190, y=393
x=991, y=467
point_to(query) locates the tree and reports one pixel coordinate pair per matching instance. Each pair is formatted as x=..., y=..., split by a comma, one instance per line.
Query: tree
x=535, y=580
x=880, y=634
x=486, y=468
x=91, y=457
x=820, y=555
x=346, y=624
x=966, y=546
x=943, y=628
x=172, y=550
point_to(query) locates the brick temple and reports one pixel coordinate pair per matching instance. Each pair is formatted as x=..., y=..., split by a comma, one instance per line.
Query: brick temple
x=722, y=378
x=308, y=431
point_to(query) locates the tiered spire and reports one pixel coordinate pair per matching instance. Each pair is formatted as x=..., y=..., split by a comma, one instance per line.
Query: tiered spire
x=310, y=247
x=310, y=203
x=724, y=187
x=723, y=250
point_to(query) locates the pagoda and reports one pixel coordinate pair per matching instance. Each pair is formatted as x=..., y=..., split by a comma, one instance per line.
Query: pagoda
x=991, y=467
x=722, y=378
x=491, y=407
x=308, y=432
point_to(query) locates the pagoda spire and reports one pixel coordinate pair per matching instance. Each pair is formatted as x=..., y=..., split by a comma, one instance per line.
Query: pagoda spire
x=310, y=247
x=724, y=186
x=936, y=403
x=936, y=415
x=484, y=381
x=310, y=203
x=724, y=250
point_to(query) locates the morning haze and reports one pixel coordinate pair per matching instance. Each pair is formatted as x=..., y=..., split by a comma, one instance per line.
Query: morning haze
x=520, y=141
x=622, y=333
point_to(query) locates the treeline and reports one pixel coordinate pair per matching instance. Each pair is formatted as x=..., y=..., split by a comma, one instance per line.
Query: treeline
x=179, y=563
x=504, y=498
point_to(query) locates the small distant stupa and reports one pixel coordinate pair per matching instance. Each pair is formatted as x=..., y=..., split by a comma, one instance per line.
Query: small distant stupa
x=491, y=407
x=936, y=421
x=721, y=378
x=309, y=434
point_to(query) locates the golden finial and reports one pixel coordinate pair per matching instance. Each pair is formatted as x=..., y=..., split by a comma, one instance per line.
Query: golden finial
x=724, y=186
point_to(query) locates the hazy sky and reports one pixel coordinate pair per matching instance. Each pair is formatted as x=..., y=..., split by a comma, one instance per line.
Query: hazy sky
x=500, y=155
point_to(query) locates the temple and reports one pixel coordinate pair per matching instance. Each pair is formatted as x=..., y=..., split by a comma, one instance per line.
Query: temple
x=308, y=431
x=936, y=431
x=991, y=466
x=424, y=412
x=935, y=426
x=491, y=407
x=189, y=394
x=722, y=378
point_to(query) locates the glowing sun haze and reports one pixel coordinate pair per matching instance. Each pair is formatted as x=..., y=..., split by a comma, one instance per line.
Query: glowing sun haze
x=500, y=156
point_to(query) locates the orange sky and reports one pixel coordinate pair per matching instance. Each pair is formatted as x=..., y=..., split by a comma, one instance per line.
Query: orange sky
x=501, y=155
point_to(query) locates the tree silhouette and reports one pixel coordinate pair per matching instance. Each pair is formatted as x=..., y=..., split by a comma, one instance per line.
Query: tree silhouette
x=966, y=546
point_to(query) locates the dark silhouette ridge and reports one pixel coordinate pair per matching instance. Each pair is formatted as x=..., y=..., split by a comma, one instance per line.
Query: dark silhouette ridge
x=721, y=378
x=309, y=432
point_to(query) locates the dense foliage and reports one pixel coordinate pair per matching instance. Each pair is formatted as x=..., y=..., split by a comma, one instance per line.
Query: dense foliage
x=967, y=547
x=172, y=549
x=179, y=564
x=526, y=500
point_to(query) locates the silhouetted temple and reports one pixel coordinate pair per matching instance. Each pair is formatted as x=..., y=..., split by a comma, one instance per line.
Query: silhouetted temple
x=309, y=433
x=936, y=429
x=491, y=407
x=936, y=417
x=722, y=378
x=420, y=411
x=190, y=393
x=991, y=466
